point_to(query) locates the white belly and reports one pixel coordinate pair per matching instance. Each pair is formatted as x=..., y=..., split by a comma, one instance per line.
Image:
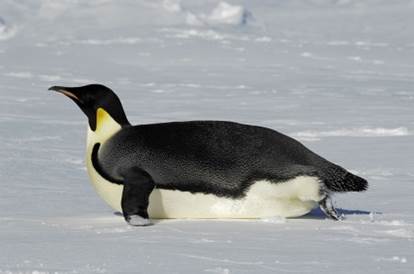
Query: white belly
x=264, y=199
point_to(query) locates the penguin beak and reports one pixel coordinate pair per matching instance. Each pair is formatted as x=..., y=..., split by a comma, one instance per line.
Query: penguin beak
x=64, y=91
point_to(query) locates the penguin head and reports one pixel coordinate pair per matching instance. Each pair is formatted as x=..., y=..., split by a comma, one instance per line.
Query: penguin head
x=90, y=98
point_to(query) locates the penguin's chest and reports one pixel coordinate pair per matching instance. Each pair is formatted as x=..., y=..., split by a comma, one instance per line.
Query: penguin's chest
x=263, y=199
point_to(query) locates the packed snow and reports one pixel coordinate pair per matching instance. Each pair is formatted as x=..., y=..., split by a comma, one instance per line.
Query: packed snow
x=336, y=75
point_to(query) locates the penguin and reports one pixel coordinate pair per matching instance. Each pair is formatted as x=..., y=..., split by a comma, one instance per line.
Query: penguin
x=201, y=169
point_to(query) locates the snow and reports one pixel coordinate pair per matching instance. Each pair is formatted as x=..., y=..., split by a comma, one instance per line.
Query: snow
x=222, y=14
x=338, y=75
x=6, y=32
x=225, y=13
x=352, y=132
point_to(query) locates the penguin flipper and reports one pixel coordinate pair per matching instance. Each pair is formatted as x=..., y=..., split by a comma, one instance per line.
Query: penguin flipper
x=138, y=186
x=327, y=207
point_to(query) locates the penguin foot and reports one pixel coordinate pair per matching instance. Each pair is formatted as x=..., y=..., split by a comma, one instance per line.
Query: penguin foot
x=327, y=207
x=136, y=220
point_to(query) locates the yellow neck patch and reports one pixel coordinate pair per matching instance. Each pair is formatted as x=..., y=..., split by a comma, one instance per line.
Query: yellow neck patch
x=106, y=126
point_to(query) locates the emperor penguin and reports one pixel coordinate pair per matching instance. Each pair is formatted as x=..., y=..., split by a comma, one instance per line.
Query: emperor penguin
x=201, y=169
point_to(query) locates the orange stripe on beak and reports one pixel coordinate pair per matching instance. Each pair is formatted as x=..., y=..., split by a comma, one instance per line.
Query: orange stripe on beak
x=69, y=94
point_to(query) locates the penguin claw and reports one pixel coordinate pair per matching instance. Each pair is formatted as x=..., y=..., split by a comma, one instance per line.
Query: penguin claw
x=329, y=210
x=136, y=220
x=335, y=216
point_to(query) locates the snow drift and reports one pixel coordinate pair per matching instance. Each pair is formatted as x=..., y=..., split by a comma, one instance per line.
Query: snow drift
x=6, y=32
x=222, y=14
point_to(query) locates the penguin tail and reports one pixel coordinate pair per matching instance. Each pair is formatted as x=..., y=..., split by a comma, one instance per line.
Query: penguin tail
x=338, y=179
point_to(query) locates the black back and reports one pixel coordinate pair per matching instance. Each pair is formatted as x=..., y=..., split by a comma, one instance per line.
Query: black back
x=222, y=158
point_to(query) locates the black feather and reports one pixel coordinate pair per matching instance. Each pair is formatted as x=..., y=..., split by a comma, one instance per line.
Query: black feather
x=338, y=179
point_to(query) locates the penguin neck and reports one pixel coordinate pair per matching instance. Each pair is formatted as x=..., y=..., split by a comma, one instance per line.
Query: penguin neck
x=106, y=126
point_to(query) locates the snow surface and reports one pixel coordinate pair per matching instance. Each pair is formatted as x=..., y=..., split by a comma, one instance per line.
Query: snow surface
x=336, y=74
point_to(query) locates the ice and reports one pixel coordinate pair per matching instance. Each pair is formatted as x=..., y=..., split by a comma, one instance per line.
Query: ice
x=172, y=5
x=225, y=13
x=50, y=78
x=336, y=75
x=19, y=74
x=402, y=233
x=263, y=39
x=2, y=25
x=191, y=33
x=275, y=220
x=6, y=32
x=353, y=132
x=218, y=270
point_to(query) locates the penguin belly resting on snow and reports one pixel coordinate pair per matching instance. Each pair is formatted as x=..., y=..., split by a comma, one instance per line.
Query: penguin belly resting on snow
x=201, y=169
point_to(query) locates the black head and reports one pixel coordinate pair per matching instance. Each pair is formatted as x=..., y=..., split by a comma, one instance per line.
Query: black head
x=91, y=97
